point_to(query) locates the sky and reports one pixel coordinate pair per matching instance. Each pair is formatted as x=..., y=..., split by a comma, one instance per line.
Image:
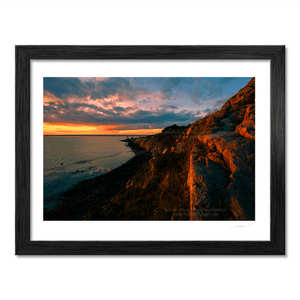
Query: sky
x=131, y=106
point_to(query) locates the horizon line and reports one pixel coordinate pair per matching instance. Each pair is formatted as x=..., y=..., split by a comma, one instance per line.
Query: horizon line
x=95, y=134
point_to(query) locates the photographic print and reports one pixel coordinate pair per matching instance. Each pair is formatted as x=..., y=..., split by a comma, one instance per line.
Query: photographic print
x=158, y=148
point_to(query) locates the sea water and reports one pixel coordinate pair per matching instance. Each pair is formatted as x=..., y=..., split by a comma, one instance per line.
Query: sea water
x=69, y=160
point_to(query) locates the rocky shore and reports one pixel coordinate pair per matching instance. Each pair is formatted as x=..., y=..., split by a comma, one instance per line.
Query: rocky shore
x=76, y=202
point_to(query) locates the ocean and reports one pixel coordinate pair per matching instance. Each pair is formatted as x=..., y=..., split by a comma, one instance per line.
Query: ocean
x=69, y=160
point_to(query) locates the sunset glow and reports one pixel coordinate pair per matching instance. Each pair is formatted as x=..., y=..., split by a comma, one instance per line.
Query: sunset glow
x=75, y=129
x=130, y=106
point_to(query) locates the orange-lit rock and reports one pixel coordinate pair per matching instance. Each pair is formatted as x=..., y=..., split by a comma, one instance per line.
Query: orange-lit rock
x=230, y=145
x=221, y=159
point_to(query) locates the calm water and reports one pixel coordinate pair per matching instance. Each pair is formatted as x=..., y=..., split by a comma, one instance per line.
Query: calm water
x=71, y=159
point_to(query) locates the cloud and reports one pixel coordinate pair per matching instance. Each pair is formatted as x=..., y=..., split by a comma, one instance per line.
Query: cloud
x=169, y=106
x=118, y=108
x=200, y=90
x=156, y=102
x=81, y=112
x=63, y=86
x=66, y=87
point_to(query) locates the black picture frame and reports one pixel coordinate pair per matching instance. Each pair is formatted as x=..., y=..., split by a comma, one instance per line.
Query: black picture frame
x=23, y=244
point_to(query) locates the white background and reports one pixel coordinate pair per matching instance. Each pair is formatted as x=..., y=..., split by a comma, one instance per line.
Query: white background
x=115, y=230
x=148, y=22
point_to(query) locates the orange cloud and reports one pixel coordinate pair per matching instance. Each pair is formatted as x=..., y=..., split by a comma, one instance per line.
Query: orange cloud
x=50, y=98
x=95, y=79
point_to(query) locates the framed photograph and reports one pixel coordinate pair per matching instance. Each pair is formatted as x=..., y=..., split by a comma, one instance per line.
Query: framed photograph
x=117, y=144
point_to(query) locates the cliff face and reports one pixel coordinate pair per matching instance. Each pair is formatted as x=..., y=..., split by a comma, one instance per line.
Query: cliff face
x=220, y=150
x=223, y=176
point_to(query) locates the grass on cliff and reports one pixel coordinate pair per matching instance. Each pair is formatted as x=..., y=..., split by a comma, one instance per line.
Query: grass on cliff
x=158, y=192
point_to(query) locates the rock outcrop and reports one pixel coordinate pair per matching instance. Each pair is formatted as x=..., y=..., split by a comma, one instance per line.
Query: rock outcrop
x=221, y=158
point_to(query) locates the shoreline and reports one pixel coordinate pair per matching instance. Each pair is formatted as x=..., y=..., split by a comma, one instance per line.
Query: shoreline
x=75, y=203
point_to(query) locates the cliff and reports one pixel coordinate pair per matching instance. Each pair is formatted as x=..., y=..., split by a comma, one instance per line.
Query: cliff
x=205, y=171
x=222, y=160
